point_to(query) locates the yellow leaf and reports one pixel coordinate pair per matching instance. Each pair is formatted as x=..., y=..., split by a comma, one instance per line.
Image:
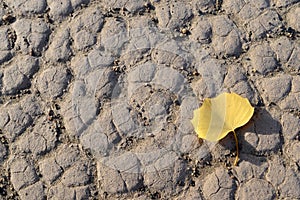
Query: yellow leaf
x=220, y=115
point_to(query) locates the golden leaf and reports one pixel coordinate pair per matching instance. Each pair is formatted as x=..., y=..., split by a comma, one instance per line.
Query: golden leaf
x=220, y=115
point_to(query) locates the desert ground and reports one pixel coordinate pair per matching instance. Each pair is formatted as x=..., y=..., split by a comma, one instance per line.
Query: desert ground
x=97, y=98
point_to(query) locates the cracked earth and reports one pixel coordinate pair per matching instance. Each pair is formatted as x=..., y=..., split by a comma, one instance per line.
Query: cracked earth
x=97, y=97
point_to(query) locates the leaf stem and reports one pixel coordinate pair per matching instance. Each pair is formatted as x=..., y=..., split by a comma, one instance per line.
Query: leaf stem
x=237, y=149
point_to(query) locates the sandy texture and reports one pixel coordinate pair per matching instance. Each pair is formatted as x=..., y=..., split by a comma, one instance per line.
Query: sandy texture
x=97, y=98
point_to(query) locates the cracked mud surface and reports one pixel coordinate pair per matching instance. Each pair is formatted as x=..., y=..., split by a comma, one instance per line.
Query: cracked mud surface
x=97, y=97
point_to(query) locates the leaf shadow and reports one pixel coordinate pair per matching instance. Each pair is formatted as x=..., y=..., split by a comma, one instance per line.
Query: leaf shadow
x=261, y=136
